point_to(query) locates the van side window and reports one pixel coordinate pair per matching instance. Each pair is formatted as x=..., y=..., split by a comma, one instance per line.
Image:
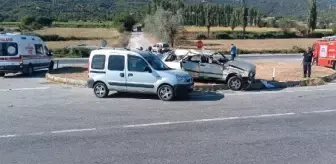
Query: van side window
x=116, y=63
x=136, y=64
x=39, y=49
x=98, y=62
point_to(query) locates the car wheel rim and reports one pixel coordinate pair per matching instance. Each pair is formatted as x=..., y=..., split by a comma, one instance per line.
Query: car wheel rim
x=100, y=91
x=235, y=84
x=166, y=93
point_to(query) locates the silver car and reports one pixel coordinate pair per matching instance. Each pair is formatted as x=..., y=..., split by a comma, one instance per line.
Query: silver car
x=212, y=65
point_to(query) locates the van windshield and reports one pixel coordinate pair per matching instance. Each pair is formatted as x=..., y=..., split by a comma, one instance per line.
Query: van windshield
x=8, y=49
x=165, y=45
x=156, y=63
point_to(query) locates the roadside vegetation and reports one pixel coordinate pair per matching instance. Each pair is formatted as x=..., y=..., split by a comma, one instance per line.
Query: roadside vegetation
x=177, y=23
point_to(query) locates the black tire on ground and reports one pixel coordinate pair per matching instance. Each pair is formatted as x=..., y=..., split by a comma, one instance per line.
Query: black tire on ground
x=166, y=92
x=29, y=71
x=334, y=65
x=51, y=67
x=235, y=83
x=2, y=74
x=100, y=90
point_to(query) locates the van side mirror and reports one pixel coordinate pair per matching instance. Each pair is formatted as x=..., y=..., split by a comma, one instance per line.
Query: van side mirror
x=147, y=69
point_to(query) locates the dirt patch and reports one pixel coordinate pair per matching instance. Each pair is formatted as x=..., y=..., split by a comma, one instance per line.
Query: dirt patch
x=288, y=71
x=283, y=72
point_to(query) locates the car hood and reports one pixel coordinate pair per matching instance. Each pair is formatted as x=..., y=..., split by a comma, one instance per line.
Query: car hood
x=247, y=66
x=174, y=72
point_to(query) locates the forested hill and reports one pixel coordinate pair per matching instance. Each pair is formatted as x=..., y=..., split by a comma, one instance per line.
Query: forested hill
x=297, y=8
x=13, y=10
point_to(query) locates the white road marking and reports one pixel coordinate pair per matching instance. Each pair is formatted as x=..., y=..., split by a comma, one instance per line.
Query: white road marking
x=161, y=123
x=24, y=89
x=207, y=120
x=320, y=111
x=73, y=130
x=276, y=92
x=9, y=136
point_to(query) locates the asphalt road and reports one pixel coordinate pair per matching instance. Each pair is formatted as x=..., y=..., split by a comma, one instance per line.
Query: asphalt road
x=138, y=40
x=48, y=123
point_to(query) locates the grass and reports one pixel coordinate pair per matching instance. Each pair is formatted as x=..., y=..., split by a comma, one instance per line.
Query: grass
x=250, y=29
x=252, y=44
x=104, y=33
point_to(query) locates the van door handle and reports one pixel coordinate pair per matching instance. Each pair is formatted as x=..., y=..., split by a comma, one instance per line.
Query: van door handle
x=130, y=74
x=122, y=75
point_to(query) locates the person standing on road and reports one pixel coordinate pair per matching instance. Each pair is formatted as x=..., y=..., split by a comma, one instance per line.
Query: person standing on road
x=307, y=62
x=233, y=51
x=149, y=49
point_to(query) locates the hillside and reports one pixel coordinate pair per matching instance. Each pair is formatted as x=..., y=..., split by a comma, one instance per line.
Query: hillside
x=13, y=10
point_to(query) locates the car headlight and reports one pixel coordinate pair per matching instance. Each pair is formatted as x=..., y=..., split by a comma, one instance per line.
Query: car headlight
x=180, y=79
x=251, y=74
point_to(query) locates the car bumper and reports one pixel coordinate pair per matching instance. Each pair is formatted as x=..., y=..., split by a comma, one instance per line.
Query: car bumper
x=90, y=83
x=183, y=89
x=11, y=69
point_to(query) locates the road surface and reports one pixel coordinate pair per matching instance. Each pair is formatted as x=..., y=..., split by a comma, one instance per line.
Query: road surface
x=48, y=123
x=138, y=40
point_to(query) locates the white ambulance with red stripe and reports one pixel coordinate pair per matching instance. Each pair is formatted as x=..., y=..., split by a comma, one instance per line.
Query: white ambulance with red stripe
x=23, y=53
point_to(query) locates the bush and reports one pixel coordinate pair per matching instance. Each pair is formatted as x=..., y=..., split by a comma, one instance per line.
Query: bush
x=297, y=49
x=286, y=25
x=334, y=29
x=72, y=52
x=201, y=37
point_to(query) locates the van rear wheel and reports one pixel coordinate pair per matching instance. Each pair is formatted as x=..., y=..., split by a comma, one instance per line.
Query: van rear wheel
x=166, y=92
x=100, y=90
x=2, y=74
x=29, y=71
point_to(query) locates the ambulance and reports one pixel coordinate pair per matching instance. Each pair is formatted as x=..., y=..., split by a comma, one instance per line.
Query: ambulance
x=324, y=51
x=23, y=53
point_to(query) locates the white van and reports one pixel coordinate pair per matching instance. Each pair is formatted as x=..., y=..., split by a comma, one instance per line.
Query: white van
x=135, y=71
x=23, y=53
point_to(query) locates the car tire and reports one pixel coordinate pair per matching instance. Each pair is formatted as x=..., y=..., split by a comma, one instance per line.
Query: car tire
x=166, y=92
x=29, y=71
x=334, y=67
x=235, y=83
x=100, y=90
x=2, y=74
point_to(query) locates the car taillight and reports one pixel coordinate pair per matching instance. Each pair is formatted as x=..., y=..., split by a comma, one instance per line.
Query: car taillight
x=88, y=68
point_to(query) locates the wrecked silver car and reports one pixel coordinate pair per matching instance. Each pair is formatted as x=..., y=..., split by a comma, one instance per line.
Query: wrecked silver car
x=212, y=65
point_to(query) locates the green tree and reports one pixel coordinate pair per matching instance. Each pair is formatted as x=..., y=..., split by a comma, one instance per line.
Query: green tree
x=44, y=21
x=244, y=14
x=164, y=24
x=234, y=20
x=207, y=18
x=312, y=15
x=27, y=20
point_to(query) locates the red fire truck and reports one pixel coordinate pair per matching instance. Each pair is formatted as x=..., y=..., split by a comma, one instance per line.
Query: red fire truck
x=325, y=52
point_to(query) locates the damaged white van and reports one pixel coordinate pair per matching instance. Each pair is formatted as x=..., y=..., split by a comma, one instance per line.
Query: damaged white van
x=23, y=53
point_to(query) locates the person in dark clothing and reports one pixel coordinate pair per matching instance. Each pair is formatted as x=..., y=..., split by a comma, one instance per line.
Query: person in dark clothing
x=307, y=62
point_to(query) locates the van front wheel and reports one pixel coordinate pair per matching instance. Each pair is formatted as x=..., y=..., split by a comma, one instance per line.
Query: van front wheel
x=2, y=74
x=166, y=92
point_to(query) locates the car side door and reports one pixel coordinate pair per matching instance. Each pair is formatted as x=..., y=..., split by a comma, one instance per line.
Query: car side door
x=116, y=72
x=138, y=78
x=191, y=64
x=211, y=70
